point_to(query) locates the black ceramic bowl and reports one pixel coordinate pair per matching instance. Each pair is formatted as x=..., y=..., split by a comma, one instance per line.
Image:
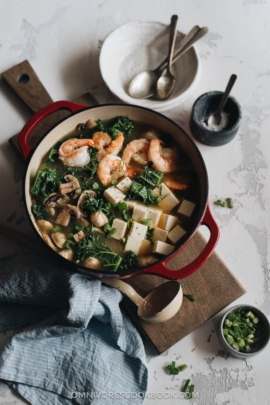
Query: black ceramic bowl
x=206, y=104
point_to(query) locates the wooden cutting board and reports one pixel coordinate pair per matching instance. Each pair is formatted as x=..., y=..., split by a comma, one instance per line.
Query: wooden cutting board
x=213, y=285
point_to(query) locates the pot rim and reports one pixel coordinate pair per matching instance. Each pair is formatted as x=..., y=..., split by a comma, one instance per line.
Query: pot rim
x=185, y=239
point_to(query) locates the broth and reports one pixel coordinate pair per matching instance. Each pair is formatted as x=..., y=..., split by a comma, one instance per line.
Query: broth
x=107, y=209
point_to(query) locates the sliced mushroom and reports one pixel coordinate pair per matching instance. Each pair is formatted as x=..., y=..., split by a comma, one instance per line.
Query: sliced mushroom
x=49, y=242
x=82, y=221
x=67, y=254
x=44, y=226
x=66, y=213
x=59, y=238
x=55, y=199
x=90, y=124
x=51, y=211
x=85, y=194
x=99, y=231
x=98, y=219
x=79, y=236
x=92, y=263
x=72, y=184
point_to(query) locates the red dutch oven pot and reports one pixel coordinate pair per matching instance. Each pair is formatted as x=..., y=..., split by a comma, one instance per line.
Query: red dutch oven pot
x=80, y=114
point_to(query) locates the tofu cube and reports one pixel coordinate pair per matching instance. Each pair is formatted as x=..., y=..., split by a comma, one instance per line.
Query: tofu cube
x=162, y=190
x=186, y=208
x=133, y=244
x=168, y=203
x=130, y=204
x=138, y=231
x=79, y=236
x=176, y=234
x=154, y=215
x=162, y=248
x=121, y=227
x=160, y=234
x=124, y=185
x=146, y=248
x=167, y=222
x=113, y=195
x=139, y=212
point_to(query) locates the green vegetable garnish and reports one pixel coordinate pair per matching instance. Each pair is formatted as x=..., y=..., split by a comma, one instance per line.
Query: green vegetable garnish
x=54, y=152
x=39, y=211
x=69, y=243
x=56, y=229
x=185, y=386
x=94, y=245
x=176, y=370
x=190, y=297
x=109, y=230
x=243, y=331
x=191, y=390
x=146, y=222
x=46, y=183
x=229, y=202
x=221, y=203
x=150, y=177
x=120, y=124
x=140, y=192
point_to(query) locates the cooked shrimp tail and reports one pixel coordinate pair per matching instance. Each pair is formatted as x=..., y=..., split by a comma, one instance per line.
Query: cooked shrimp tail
x=175, y=185
x=163, y=159
x=111, y=168
x=75, y=152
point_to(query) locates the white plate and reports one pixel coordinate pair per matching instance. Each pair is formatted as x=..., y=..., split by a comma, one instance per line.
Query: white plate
x=137, y=46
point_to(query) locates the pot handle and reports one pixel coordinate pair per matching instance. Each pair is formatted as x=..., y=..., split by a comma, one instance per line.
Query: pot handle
x=38, y=117
x=160, y=269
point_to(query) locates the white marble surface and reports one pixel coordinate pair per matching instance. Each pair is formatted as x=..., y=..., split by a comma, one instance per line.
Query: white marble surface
x=62, y=40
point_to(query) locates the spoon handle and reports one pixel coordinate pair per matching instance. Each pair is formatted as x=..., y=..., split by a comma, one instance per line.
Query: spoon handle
x=180, y=47
x=173, y=33
x=125, y=288
x=198, y=35
x=226, y=93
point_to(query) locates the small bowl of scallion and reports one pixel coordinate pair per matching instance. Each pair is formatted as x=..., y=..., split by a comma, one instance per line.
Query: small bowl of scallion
x=244, y=331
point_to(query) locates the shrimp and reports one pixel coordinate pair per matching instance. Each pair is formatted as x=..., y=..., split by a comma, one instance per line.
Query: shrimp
x=163, y=159
x=74, y=152
x=111, y=168
x=136, y=150
x=105, y=145
x=175, y=185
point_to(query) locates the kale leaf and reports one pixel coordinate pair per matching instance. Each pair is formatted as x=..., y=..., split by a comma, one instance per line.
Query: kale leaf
x=94, y=245
x=46, y=183
x=150, y=177
x=39, y=211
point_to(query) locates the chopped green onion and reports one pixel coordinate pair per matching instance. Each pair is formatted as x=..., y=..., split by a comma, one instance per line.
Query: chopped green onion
x=190, y=297
x=221, y=203
x=229, y=202
x=146, y=222
x=191, y=390
x=176, y=370
x=113, y=182
x=95, y=186
x=79, y=227
x=123, y=240
x=122, y=206
x=186, y=385
x=69, y=243
x=56, y=229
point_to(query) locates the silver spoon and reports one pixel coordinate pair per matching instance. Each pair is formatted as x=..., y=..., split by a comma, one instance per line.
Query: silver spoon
x=143, y=85
x=166, y=82
x=215, y=117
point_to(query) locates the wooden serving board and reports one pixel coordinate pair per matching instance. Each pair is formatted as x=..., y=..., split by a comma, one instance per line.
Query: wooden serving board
x=213, y=285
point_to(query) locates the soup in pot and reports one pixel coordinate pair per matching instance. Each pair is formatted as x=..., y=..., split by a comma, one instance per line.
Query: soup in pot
x=115, y=195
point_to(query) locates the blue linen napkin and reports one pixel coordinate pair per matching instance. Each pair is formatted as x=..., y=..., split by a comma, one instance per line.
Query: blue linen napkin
x=92, y=354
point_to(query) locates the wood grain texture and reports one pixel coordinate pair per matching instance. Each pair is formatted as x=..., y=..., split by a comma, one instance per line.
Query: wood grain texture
x=213, y=285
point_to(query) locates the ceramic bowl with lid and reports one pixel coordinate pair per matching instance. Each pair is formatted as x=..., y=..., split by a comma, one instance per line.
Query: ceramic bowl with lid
x=208, y=134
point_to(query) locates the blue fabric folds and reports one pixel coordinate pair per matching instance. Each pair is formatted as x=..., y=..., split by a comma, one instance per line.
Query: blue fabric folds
x=92, y=354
